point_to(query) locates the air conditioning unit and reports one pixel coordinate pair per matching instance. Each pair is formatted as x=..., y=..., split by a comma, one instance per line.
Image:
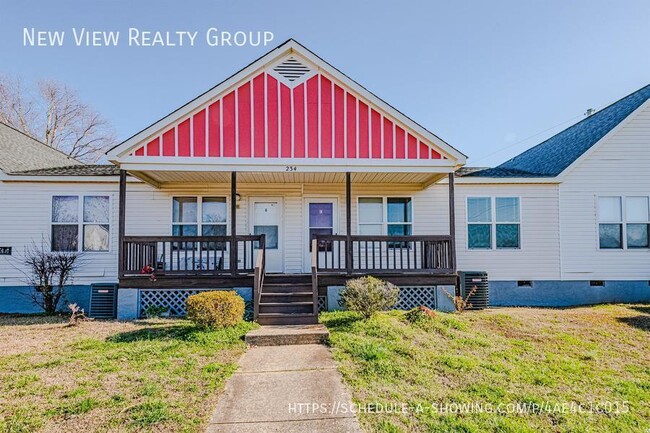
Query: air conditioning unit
x=103, y=301
x=480, y=299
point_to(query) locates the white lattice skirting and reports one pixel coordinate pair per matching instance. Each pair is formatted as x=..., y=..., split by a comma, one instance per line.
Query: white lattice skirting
x=411, y=297
x=322, y=303
x=173, y=299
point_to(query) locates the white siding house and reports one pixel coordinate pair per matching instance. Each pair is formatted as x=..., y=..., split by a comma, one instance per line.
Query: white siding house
x=619, y=166
x=299, y=158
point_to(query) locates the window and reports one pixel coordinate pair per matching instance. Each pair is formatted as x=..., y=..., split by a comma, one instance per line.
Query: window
x=507, y=222
x=194, y=215
x=371, y=216
x=87, y=215
x=391, y=216
x=479, y=222
x=214, y=212
x=638, y=220
x=493, y=222
x=623, y=222
x=398, y=216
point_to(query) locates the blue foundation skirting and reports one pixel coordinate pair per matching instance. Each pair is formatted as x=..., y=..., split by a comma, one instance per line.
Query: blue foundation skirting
x=566, y=293
x=17, y=299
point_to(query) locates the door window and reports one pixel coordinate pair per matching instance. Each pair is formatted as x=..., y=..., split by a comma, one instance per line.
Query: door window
x=321, y=222
x=267, y=219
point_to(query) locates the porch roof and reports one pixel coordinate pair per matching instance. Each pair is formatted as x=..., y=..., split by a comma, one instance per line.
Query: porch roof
x=165, y=178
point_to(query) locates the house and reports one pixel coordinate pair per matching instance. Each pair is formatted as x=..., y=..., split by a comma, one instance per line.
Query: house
x=289, y=178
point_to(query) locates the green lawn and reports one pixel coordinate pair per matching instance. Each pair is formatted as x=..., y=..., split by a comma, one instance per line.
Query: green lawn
x=541, y=357
x=157, y=375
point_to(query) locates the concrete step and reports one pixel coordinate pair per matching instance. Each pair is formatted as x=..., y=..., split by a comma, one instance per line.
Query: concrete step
x=287, y=307
x=286, y=319
x=288, y=335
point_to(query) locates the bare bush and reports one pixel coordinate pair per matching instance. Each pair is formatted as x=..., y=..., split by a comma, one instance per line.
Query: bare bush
x=459, y=303
x=48, y=272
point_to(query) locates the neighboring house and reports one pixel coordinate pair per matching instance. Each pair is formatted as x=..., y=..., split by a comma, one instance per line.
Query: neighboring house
x=583, y=213
x=289, y=178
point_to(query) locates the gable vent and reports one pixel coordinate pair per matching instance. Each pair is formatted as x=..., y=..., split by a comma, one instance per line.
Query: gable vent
x=291, y=69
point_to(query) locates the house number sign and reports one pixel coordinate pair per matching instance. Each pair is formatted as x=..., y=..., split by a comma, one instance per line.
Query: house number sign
x=5, y=251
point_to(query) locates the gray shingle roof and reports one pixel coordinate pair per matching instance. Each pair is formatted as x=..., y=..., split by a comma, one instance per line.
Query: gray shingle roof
x=20, y=152
x=553, y=156
x=74, y=170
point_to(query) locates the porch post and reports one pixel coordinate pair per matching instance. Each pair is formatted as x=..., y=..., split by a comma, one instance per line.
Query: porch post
x=233, y=223
x=121, y=228
x=452, y=222
x=348, y=223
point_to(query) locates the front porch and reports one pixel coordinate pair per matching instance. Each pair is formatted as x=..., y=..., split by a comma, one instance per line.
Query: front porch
x=237, y=260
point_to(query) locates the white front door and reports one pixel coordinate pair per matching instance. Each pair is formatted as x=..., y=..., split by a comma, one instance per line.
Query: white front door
x=321, y=217
x=266, y=218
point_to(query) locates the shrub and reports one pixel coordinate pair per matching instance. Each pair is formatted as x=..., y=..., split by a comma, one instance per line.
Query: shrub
x=419, y=315
x=367, y=295
x=155, y=311
x=215, y=309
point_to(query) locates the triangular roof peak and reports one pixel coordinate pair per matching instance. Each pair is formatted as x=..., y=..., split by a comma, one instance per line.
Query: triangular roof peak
x=292, y=105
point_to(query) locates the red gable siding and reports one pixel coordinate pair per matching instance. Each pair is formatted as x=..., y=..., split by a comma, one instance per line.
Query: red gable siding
x=264, y=118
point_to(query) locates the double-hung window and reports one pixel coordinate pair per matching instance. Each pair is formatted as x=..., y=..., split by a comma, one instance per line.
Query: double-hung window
x=194, y=215
x=493, y=222
x=86, y=217
x=391, y=216
x=623, y=222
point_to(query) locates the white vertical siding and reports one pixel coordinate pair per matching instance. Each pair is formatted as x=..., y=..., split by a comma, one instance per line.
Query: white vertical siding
x=620, y=165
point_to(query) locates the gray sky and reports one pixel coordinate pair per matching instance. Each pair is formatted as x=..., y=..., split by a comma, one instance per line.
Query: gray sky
x=483, y=75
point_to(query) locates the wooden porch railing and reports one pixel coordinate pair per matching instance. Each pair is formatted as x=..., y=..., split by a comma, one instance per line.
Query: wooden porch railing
x=189, y=255
x=383, y=254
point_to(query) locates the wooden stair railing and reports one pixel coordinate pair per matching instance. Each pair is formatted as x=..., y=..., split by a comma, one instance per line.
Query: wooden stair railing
x=258, y=277
x=314, y=274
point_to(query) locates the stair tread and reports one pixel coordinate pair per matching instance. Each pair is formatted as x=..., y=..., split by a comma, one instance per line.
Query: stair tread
x=288, y=304
x=286, y=293
x=287, y=314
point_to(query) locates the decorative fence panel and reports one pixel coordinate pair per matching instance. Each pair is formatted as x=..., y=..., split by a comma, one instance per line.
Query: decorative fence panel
x=411, y=297
x=322, y=303
x=173, y=299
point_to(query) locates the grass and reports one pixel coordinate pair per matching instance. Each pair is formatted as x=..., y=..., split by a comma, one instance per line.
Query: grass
x=541, y=357
x=155, y=375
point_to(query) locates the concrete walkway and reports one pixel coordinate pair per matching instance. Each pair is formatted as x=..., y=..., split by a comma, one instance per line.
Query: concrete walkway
x=294, y=388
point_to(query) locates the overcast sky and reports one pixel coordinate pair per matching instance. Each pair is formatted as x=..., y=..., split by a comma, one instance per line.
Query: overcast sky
x=483, y=75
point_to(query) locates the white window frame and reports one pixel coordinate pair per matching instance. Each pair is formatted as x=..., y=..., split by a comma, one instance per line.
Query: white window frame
x=199, y=214
x=493, y=223
x=623, y=222
x=80, y=222
x=384, y=205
